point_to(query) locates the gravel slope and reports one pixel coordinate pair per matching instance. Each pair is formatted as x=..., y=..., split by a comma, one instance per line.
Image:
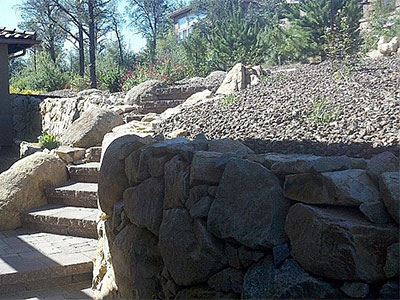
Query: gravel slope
x=274, y=116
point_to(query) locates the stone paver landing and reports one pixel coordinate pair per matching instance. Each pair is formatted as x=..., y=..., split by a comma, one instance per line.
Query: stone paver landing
x=31, y=259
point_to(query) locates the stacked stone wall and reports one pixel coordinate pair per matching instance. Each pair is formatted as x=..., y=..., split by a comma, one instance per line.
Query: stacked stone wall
x=210, y=219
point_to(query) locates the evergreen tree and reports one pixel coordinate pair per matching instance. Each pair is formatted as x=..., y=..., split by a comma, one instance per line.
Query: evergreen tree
x=236, y=39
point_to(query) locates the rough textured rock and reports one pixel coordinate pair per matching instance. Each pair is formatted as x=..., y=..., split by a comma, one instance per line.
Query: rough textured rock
x=348, y=188
x=203, y=168
x=176, y=178
x=392, y=265
x=228, y=145
x=150, y=160
x=143, y=204
x=70, y=154
x=227, y=280
x=90, y=128
x=389, y=184
x=301, y=163
x=195, y=260
x=338, y=243
x=235, y=80
x=355, y=289
x=241, y=257
x=390, y=290
x=22, y=186
x=26, y=148
x=136, y=93
x=382, y=163
x=375, y=212
x=203, y=292
x=290, y=281
x=280, y=253
x=249, y=208
x=112, y=178
x=138, y=262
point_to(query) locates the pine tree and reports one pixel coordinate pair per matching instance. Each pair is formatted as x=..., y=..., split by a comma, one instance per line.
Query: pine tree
x=236, y=39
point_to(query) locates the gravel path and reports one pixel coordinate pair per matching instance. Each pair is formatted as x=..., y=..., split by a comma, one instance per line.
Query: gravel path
x=361, y=115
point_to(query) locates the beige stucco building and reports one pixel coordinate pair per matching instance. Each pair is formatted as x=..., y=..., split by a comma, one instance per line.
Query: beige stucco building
x=13, y=43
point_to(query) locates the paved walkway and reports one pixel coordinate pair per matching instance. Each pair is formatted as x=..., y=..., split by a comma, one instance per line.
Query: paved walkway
x=73, y=291
x=31, y=259
x=51, y=256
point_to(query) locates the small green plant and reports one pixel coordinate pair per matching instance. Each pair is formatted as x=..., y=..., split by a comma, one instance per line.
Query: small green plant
x=229, y=99
x=48, y=141
x=320, y=113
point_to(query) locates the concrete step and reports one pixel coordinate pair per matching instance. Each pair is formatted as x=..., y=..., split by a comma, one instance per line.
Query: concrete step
x=93, y=154
x=88, y=172
x=68, y=220
x=81, y=194
x=32, y=260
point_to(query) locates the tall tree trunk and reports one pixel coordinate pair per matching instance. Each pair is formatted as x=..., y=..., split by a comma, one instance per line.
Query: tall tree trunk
x=92, y=45
x=121, y=52
x=81, y=52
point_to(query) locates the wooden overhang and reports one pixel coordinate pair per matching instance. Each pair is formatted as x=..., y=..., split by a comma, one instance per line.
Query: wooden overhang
x=17, y=40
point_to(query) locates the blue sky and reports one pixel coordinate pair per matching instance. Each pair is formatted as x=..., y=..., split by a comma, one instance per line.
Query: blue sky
x=10, y=18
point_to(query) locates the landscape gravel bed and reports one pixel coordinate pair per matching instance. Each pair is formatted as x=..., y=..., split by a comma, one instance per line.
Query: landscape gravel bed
x=360, y=115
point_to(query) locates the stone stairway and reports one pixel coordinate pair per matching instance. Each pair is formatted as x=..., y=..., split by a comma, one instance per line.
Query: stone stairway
x=56, y=244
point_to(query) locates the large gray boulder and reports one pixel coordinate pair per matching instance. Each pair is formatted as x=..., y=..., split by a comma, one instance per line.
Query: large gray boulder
x=137, y=263
x=190, y=253
x=389, y=185
x=143, y=204
x=176, y=178
x=90, y=128
x=23, y=186
x=249, y=206
x=290, y=281
x=203, y=168
x=348, y=188
x=382, y=163
x=339, y=243
x=112, y=178
x=146, y=88
x=303, y=163
x=228, y=146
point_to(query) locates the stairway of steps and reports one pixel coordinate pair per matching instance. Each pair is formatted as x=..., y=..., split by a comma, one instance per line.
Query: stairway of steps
x=56, y=244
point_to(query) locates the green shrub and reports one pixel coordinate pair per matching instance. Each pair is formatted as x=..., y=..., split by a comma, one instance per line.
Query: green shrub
x=48, y=141
x=110, y=80
x=320, y=113
x=15, y=90
x=229, y=99
x=41, y=74
x=79, y=83
x=383, y=22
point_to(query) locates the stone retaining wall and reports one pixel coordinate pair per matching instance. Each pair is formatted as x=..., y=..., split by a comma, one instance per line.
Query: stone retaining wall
x=27, y=119
x=210, y=219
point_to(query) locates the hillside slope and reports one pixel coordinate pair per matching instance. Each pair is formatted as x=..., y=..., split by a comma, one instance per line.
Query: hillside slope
x=360, y=115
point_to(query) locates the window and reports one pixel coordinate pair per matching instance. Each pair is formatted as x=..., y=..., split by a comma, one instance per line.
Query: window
x=182, y=22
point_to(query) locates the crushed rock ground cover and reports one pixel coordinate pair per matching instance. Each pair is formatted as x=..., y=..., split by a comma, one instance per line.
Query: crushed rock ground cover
x=276, y=115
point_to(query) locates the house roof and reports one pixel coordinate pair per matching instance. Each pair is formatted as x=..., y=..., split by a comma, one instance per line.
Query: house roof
x=180, y=11
x=17, y=40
